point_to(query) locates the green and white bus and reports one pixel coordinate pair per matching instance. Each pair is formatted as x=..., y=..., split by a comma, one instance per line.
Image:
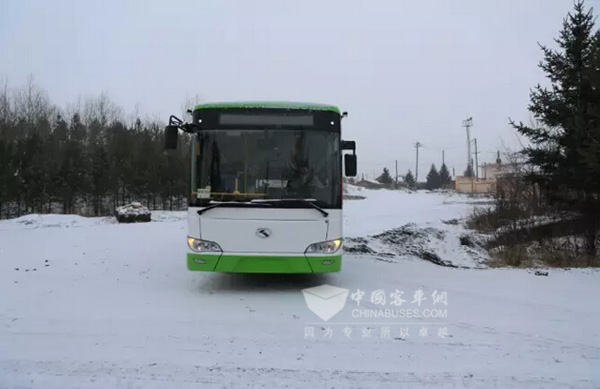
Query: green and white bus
x=266, y=186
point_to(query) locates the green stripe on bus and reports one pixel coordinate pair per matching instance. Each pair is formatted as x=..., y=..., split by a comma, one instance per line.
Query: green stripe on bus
x=264, y=263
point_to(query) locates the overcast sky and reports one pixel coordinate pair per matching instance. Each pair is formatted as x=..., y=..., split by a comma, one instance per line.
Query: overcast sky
x=405, y=71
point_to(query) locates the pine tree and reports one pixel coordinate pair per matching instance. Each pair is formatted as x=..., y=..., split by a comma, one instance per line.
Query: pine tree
x=100, y=176
x=433, y=178
x=444, y=176
x=469, y=171
x=565, y=146
x=385, y=177
x=409, y=180
x=75, y=167
x=5, y=176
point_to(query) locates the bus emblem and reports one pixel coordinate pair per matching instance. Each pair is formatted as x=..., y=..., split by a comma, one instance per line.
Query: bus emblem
x=263, y=232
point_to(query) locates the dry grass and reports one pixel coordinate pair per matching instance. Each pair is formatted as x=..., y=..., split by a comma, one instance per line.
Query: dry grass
x=510, y=257
x=557, y=252
x=489, y=219
x=535, y=256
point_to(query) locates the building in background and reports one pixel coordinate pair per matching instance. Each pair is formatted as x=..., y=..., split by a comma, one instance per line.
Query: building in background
x=488, y=178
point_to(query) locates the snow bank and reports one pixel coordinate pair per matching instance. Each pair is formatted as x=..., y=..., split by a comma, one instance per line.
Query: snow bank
x=353, y=192
x=353, y=189
x=393, y=225
x=384, y=210
x=68, y=221
x=446, y=248
x=46, y=221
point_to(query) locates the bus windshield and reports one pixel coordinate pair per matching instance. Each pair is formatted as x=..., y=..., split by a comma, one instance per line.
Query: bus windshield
x=249, y=164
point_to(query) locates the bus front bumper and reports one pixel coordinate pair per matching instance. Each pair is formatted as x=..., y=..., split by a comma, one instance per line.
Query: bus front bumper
x=228, y=263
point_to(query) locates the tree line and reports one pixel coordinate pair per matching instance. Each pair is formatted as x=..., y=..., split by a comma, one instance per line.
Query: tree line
x=435, y=179
x=85, y=158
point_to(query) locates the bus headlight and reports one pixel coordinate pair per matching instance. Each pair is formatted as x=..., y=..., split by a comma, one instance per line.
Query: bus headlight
x=331, y=246
x=203, y=246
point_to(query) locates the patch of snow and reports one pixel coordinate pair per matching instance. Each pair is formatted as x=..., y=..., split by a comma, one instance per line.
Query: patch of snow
x=52, y=220
x=353, y=189
x=535, y=221
x=449, y=247
x=169, y=216
x=371, y=180
x=425, y=213
x=67, y=221
x=112, y=305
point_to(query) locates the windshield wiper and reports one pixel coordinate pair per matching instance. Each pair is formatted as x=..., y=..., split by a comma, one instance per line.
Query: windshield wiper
x=293, y=201
x=228, y=204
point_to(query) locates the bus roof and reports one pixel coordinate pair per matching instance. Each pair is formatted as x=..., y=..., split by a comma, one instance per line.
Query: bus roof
x=269, y=105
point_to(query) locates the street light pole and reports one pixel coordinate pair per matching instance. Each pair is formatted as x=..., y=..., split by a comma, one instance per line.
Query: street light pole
x=467, y=124
x=417, y=146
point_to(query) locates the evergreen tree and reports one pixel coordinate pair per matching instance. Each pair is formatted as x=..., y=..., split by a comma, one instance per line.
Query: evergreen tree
x=565, y=146
x=385, y=177
x=469, y=171
x=409, y=180
x=433, y=178
x=445, y=178
x=100, y=177
x=5, y=176
x=76, y=164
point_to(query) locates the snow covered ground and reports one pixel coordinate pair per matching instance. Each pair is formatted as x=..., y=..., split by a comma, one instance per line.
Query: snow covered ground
x=90, y=303
x=412, y=224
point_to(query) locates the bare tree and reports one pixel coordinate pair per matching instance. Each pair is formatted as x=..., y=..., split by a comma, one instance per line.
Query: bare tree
x=32, y=104
x=101, y=110
x=188, y=104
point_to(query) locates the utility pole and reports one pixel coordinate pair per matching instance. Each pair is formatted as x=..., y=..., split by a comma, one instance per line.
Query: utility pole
x=396, y=174
x=467, y=124
x=417, y=146
x=476, y=161
x=443, y=157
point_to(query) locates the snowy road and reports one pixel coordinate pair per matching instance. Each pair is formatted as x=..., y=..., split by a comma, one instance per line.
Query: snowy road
x=113, y=306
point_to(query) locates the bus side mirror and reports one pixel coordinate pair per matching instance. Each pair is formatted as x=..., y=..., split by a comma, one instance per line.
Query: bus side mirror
x=171, y=133
x=350, y=165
